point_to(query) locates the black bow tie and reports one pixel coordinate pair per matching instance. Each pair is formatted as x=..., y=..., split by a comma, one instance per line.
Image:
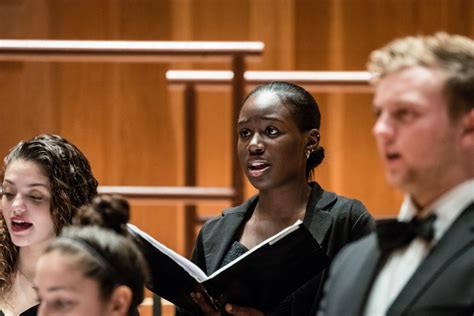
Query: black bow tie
x=392, y=234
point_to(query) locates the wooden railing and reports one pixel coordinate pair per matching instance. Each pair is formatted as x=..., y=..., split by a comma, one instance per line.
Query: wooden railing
x=237, y=53
x=322, y=81
x=171, y=194
x=124, y=51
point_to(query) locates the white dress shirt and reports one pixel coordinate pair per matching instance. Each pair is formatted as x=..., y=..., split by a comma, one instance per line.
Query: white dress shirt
x=402, y=263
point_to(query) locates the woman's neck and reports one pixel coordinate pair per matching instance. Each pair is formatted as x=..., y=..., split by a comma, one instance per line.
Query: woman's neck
x=22, y=296
x=275, y=210
x=286, y=203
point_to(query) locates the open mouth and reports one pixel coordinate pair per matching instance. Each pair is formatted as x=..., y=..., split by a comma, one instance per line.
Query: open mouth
x=392, y=156
x=20, y=225
x=257, y=168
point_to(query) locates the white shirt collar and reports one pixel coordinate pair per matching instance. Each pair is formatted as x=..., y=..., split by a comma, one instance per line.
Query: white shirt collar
x=447, y=207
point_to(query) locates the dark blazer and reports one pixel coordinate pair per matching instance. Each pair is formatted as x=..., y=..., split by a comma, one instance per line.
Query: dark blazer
x=333, y=220
x=443, y=284
x=32, y=311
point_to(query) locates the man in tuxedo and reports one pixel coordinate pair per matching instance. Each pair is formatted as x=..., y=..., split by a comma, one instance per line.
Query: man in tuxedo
x=422, y=263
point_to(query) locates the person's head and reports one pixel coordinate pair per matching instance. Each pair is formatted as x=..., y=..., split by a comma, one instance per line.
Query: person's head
x=92, y=270
x=44, y=181
x=279, y=134
x=424, y=92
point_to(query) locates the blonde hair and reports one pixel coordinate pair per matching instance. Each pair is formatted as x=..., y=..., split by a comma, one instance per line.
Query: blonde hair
x=453, y=55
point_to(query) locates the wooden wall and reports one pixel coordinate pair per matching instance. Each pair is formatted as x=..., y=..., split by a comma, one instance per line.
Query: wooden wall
x=129, y=123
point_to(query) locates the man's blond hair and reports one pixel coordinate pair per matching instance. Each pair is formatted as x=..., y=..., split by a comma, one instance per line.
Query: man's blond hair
x=453, y=55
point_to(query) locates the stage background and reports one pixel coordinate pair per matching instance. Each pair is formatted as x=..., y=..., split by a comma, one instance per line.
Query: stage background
x=129, y=122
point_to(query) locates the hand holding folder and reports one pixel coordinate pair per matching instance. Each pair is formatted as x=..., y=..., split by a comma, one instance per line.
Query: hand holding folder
x=260, y=278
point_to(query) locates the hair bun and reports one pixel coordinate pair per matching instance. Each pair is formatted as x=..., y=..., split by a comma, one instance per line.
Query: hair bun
x=114, y=210
x=108, y=211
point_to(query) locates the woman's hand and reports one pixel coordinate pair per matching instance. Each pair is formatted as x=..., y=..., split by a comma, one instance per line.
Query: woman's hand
x=208, y=309
x=242, y=311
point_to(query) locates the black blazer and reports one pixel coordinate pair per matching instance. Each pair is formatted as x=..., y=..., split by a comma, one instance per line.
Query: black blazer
x=333, y=220
x=32, y=311
x=443, y=284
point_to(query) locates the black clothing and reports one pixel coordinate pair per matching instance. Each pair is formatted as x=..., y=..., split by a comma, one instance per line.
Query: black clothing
x=333, y=220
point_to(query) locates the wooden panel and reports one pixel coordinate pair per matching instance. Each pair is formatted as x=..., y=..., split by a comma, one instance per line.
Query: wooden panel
x=119, y=114
x=364, y=28
x=216, y=20
x=25, y=103
x=24, y=19
x=83, y=19
x=272, y=21
x=348, y=31
x=130, y=124
x=312, y=37
x=26, y=100
x=145, y=20
x=159, y=224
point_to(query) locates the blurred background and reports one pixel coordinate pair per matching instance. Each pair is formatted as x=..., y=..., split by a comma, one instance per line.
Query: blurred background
x=129, y=121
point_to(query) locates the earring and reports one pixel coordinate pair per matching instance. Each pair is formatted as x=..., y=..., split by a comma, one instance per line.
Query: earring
x=308, y=153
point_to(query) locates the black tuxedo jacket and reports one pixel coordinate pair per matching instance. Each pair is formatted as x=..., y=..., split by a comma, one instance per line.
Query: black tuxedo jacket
x=333, y=220
x=443, y=284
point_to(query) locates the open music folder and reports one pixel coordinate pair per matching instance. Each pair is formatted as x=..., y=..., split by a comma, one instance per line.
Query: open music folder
x=260, y=278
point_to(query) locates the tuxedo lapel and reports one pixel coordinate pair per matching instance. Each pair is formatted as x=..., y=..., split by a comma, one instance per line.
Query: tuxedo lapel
x=217, y=241
x=319, y=221
x=366, y=273
x=454, y=243
x=351, y=278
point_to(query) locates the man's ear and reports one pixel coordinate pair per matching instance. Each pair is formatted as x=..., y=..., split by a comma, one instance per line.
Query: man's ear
x=312, y=141
x=120, y=301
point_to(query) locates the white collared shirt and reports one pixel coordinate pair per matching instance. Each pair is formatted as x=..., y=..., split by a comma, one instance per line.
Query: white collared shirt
x=402, y=263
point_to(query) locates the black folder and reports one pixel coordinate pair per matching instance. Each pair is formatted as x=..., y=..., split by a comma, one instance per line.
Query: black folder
x=260, y=278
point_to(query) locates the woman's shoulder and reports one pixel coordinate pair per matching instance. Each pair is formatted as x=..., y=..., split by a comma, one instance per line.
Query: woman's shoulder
x=347, y=203
x=352, y=210
x=345, y=209
x=349, y=216
x=335, y=203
